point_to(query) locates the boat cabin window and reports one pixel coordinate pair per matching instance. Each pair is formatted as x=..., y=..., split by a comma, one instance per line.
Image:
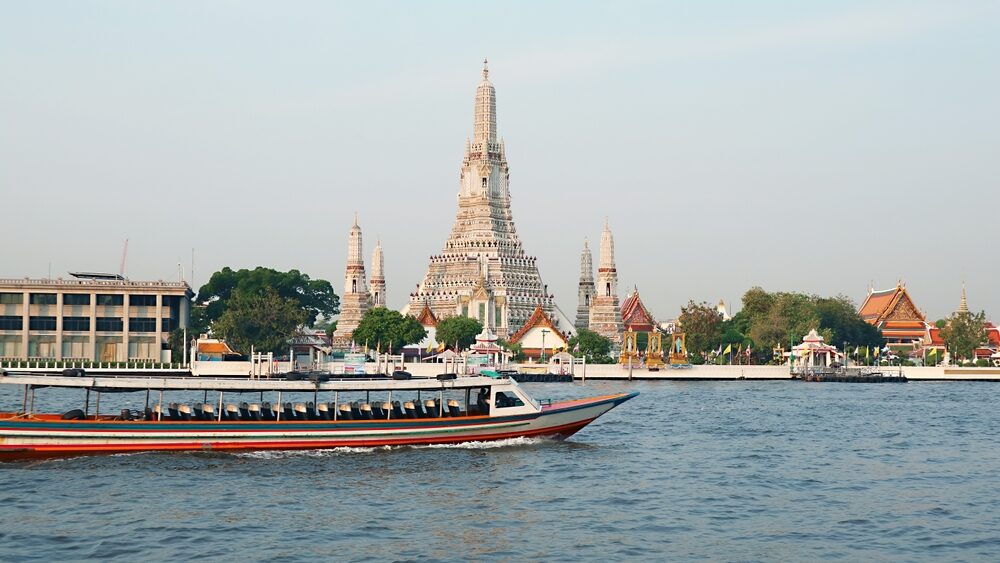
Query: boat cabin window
x=505, y=400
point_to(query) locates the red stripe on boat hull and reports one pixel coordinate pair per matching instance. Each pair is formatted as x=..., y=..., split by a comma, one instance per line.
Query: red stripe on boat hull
x=14, y=453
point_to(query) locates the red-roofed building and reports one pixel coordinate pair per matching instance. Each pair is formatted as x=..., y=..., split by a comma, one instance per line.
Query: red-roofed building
x=635, y=315
x=893, y=312
x=538, y=332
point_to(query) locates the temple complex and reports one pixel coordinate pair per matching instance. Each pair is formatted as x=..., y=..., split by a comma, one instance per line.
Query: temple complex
x=586, y=292
x=377, y=290
x=605, y=312
x=483, y=271
x=355, y=300
x=892, y=311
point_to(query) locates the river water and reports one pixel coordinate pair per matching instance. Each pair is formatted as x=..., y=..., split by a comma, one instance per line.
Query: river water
x=748, y=471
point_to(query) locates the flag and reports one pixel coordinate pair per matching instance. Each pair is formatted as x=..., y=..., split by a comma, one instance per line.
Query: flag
x=748, y=350
x=729, y=349
x=353, y=346
x=857, y=350
x=867, y=352
x=577, y=347
x=933, y=352
x=441, y=347
x=739, y=349
x=430, y=346
x=876, y=351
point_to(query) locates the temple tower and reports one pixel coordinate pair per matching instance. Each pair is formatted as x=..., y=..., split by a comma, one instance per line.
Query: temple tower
x=963, y=304
x=354, y=301
x=586, y=292
x=483, y=271
x=377, y=290
x=605, y=310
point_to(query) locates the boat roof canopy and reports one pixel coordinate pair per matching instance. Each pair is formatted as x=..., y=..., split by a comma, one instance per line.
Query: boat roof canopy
x=138, y=383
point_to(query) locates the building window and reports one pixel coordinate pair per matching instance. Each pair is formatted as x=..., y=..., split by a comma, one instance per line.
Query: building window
x=609, y=290
x=11, y=298
x=354, y=286
x=43, y=299
x=76, y=299
x=142, y=300
x=75, y=347
x=42, y=323
x=484, y=182
x=111, y=300
x=109, y=324
x=168, y=325
x=141, y=324
x=11, y=323
x=10, y=346
x=77, y=324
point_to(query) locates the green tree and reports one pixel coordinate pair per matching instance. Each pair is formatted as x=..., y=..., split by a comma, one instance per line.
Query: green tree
x=701, y=325
x=458, y=329
x=262, y=319
x=382, y=327
x=963, y=333
x=593, y=346
x=315, y=297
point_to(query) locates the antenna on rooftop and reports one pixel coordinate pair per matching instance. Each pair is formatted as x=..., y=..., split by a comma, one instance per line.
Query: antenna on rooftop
x=121, y=267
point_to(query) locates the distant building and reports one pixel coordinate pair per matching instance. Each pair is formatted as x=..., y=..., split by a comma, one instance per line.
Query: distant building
x=893, y=312
x=92, y=317
x=586, y=292
x=483, y=271
x=540, y=334
x=605, y=310
x=355, y=300
x=635, y=316
x=377, y=289
x=723, y=310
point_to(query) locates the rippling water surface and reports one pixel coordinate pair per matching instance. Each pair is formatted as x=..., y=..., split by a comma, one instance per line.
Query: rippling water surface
x=687, y=471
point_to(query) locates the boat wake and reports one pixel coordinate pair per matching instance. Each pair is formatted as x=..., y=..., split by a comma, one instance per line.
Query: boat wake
x=283, y=454
x=507, y=443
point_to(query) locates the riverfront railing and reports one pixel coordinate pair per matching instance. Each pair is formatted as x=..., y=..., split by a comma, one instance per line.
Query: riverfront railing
x=50, y=364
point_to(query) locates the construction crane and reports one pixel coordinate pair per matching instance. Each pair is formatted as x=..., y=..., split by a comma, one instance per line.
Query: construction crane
x=121, y=267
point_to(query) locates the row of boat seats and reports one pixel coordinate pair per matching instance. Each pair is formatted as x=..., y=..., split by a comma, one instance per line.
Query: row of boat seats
x=307, y=411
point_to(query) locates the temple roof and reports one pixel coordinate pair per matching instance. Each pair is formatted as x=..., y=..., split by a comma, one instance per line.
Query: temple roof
x=538, y=319
x=426, y=317
x=635, y=313
x=894, y=304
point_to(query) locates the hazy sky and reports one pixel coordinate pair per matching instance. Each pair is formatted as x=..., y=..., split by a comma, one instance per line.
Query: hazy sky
x=794, y=145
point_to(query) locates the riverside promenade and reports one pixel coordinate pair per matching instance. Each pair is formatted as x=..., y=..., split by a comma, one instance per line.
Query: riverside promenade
x=725, y=373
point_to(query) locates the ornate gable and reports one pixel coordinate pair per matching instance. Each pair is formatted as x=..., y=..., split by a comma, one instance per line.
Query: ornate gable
x=538, y=319
x=426, y=317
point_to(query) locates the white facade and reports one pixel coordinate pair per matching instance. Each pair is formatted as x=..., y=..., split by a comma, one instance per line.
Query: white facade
x=100, y=320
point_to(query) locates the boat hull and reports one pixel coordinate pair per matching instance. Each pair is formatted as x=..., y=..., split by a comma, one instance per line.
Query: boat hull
x=27, y=438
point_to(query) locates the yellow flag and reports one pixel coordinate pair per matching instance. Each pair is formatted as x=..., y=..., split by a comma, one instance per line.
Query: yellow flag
x=933, y=352
x=868, y=350
x=728, y=350
x=441, y=347
x=430, y=346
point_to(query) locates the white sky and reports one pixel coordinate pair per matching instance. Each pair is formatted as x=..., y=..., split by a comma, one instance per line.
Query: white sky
x=798, y=146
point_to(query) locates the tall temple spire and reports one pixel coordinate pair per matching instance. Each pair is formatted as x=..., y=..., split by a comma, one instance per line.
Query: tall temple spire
x=607, y=247
x=354, y=302
x=586, y=291
x=485, y=123
x=605, y=312
x=377, y=290
x=963, y=304
x=483, y=271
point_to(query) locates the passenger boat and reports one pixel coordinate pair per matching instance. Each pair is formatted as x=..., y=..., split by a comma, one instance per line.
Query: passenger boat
x=342, y=413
